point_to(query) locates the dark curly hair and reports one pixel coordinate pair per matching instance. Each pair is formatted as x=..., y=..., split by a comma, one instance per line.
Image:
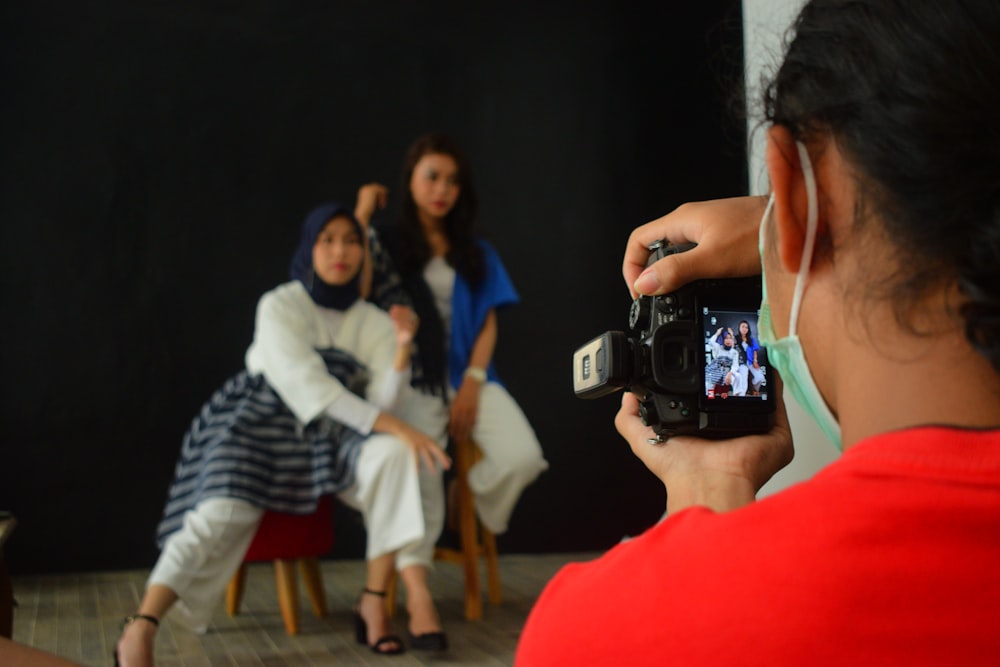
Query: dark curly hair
x=909, y=91
x=464, y=254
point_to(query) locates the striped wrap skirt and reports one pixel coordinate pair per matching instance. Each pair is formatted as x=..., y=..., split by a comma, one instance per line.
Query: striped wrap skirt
x=245, y=443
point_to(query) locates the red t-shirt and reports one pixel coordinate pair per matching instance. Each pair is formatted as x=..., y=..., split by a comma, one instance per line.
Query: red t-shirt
x=889, y=556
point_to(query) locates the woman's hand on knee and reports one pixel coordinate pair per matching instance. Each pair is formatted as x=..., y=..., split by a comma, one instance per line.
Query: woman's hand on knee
x=424, y=447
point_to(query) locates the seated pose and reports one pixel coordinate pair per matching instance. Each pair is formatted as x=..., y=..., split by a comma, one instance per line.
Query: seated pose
x=311, y=415
x=879, y=253
x=456, y=282
x=726, y=374
x=754, y=357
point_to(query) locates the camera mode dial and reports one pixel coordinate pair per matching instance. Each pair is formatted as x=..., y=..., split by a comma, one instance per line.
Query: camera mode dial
x=638, y=315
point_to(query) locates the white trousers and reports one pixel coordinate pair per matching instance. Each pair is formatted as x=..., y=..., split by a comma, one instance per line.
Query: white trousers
x=512, y=457
x=403, y=510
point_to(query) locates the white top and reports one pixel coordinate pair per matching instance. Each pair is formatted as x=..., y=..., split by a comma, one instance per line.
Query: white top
x=440, y=277
x=290, y=327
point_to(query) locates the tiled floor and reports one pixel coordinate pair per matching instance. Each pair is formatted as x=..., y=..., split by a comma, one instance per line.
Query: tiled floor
x=78, y=616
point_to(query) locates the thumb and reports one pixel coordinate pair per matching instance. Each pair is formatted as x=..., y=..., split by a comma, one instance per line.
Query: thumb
x=672, y=272
x=627, y=421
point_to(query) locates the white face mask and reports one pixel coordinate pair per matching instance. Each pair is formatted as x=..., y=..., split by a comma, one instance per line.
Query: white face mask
x=786, y=354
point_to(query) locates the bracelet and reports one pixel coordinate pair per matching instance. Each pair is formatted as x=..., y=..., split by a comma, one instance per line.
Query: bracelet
x=135, y=617
x=476, y=373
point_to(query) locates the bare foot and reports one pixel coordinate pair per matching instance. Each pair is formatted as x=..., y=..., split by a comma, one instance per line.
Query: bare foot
x=135, y=646
x=423, y=615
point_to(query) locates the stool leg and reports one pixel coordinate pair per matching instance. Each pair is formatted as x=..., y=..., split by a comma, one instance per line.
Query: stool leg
x=468, y=533
x=313, y=579
x=475, y=539
x=487, y=539
x=492, y=565
x=288, y=594
x=234, y=591
x=6, y=598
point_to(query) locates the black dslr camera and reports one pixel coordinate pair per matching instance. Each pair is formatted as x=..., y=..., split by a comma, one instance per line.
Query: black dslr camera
x=692, y=357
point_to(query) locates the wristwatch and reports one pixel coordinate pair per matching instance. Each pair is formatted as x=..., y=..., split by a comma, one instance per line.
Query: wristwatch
x=476, y=373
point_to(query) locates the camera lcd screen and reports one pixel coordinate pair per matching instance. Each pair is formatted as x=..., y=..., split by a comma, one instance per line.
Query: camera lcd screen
x=735, y=362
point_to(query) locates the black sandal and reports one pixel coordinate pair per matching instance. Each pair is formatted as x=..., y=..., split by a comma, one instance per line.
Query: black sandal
x=361, y=630
x=429, y=641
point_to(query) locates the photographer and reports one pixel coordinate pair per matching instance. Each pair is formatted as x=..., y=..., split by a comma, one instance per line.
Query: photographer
x=879, y=253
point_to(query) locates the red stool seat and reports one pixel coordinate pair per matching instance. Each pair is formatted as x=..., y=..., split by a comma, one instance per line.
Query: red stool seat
x=293, y=536
x=287, y=539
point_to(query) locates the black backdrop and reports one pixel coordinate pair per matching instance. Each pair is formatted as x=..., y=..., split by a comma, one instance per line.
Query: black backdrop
x=158, y=158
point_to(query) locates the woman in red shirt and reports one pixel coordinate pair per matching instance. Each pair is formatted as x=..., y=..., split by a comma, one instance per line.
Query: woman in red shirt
x=879, y=250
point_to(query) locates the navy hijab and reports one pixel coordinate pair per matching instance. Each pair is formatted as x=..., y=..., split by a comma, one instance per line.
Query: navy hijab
x=338, y=297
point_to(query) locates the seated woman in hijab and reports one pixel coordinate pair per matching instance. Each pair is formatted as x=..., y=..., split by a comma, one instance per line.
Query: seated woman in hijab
x=312, y=414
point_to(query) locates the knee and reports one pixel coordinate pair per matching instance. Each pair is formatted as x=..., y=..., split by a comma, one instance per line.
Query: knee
x=389, y=447
x=523, y=463
x=529, y=464
x=389, y=456
x=526, y=458
x=531, y=467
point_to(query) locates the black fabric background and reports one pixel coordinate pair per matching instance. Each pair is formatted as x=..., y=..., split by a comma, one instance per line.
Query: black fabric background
x=157, y=159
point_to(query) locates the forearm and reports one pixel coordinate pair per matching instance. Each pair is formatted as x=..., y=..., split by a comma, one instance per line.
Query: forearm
x=366, y=277
x=401, y=361
x=486, y=341
x=386, y=396
x=718, y=492
x=387, y=423
x=354, y=411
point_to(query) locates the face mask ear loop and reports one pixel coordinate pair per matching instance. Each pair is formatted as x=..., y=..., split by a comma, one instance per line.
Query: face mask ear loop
x=760, y=230
x=812, y=217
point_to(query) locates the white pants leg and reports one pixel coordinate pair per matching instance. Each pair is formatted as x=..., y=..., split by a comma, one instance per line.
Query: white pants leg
x=740, y=381
x=428, y=415
x=512, y=457
x=387, y=492
x=199, y=559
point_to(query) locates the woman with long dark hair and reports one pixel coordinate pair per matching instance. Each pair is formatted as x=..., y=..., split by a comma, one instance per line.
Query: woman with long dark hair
x=754, y=357
x=433, y=258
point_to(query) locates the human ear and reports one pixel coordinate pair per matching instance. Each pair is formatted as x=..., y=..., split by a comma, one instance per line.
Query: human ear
x=791, y=203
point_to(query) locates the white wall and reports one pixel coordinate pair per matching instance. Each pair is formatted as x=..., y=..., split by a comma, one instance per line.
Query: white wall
x=764, y=26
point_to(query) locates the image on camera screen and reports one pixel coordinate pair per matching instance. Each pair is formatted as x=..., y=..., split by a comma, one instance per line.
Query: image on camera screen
x=735, y=362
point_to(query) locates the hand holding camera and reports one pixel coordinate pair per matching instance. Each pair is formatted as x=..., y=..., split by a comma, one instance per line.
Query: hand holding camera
x=725, y=231
x=690, y=374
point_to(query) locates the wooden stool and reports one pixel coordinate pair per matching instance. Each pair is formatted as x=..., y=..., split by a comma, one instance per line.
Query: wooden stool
x=475, y=539
x=287, y=539
x=7, y=523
